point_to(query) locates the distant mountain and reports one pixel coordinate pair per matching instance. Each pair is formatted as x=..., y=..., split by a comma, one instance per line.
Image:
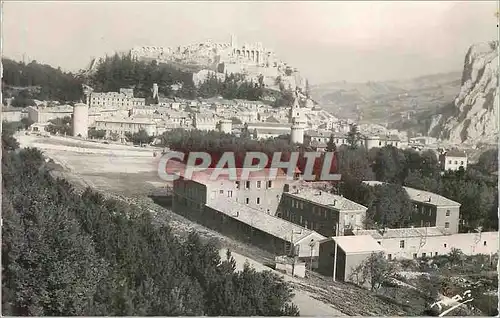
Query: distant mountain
x=387, y=102
x=473, y=116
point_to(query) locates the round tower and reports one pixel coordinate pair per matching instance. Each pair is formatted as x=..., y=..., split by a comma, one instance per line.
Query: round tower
x=297, y=133
x=226, y=126
x=80, y=120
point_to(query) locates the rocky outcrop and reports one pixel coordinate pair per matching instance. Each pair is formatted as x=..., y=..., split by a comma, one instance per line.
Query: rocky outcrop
x=473, y=117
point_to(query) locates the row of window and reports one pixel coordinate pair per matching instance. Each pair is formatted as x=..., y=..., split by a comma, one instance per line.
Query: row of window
x=269, y=184
x=456, y=162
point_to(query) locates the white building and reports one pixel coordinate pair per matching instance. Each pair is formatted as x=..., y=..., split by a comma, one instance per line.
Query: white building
x=205, y=122
x=120, y=126
x=123, y=99
x=453, y=160
x=410, y=243
x=44, y=114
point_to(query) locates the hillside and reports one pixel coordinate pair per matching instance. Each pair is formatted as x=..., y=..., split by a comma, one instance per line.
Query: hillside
x=25, y=82
x=472, y=118
x=371, y=102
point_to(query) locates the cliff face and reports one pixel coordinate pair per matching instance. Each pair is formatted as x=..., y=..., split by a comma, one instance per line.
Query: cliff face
x=473, y=116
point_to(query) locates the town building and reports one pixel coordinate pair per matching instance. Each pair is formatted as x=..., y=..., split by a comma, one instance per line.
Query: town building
x=323, y=212
x=257, y=228
x=412, y=243
x=260, y=190
x=431, y=210
x=123, y=99
x=379, y=141
x=41, y=114
x=206, y=122
x=118, y=127
x=339, y=256
x=13, y=114
x=260, y=130
x=453, y=160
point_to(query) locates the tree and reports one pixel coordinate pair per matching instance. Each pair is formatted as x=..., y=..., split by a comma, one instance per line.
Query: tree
x=331, y=146
x=353, y=163
x=141, y=137
x=390, y=207
x=97, y=134
x=26, y=122
x=488, y=161
x=353, y=136
x=390, y=165
x=375, y=270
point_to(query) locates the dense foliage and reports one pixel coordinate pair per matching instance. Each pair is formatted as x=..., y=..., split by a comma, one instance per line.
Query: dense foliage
x=61, y=126
x=44, y=83
x=68, y=254
x=117, y=72
x=234, y=86
x=216, y=143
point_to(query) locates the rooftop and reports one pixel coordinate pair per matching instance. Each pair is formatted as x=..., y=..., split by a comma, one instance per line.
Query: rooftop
x=402, y=233
x=260, y=220
x=357, y=244
x=210, y=175
x=422, y=196
x=269, y=125
x=456, y=153
x=268, y=131
x=327, y=199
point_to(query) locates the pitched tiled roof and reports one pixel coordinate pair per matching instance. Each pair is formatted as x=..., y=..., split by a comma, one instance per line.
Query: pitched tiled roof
x=262, y=221
x=326, y=199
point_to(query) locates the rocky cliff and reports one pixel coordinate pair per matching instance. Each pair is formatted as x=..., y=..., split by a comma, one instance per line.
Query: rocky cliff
x=472, y=118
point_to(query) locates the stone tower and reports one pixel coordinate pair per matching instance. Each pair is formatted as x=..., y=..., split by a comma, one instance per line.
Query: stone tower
x=295, y=111
x=297, y=133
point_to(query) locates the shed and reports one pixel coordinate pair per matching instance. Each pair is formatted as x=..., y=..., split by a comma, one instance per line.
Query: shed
x=351, y=251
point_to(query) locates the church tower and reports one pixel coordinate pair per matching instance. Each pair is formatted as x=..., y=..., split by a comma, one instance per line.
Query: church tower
x=295, y=111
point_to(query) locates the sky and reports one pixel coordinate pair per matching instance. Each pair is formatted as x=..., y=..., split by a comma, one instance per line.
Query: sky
x=326, y=41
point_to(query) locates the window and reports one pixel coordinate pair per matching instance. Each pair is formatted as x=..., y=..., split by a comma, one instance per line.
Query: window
x=462, y=163
x=414, y=255
x=237, y=184
x=247, y=185
x=447, y=212
x=269, y=184
x=379, y=242
x=446, y=225
x=258, y=200
x=444, y=244
x=301, y=205
x=229, y=194
x=301, y=220
x=449, y=161
x=435, y=253
x=247, y=200
x=258, y=184
x=484, y=243
x=380, y=144
x=221, y=191
x=423, y=254
x=402, y=244
x=456, y=162
x=389, y=256
x=305, y=224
